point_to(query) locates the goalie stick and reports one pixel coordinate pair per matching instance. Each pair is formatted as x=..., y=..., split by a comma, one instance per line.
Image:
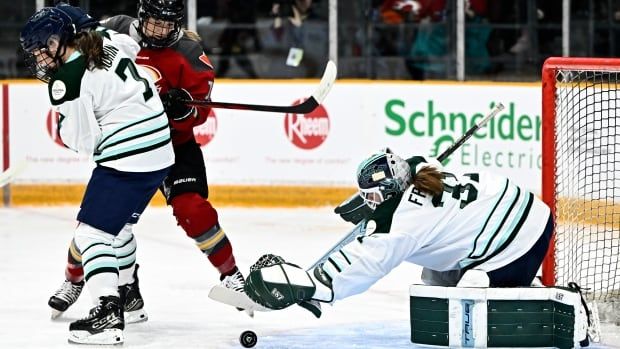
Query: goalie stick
x=327, y=81
x=241, y=300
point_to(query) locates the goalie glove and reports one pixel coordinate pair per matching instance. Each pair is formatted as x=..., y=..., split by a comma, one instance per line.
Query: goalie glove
x=353, y=209
x=173, y=105
x=277, y=284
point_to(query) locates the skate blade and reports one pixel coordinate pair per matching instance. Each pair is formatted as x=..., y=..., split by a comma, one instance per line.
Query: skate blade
x=236, y=299
x=136, y=316
x=107, y=337
x=56, y=313
x=249, y=312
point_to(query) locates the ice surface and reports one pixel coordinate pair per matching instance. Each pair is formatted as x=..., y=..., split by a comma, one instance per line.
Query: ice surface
x=175, y=278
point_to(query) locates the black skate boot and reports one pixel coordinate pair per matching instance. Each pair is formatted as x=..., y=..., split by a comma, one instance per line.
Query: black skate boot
x=132, y=301
x=104, y=324
x=64, y=297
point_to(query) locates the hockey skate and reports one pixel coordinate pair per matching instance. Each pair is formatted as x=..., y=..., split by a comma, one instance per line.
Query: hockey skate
x=231, y=292
x=64, y=297
x=133, y=304
x=235, y=281
x=104, y=324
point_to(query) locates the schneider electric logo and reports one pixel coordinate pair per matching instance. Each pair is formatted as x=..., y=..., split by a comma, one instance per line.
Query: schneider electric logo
x=430, y=123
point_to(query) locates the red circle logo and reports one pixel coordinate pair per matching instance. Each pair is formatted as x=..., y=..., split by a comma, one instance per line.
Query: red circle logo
x=205, y=132
x=51, y=124
x=307, y=131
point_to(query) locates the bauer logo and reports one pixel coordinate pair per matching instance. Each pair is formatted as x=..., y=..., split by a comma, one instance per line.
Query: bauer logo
x=307, y=131
x=204, y=133
x=51, y=124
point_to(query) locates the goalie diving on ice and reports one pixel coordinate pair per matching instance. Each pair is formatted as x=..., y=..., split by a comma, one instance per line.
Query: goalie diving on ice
x=422, y=214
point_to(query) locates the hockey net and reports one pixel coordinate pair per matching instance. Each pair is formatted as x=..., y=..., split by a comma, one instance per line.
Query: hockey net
x=581, y=177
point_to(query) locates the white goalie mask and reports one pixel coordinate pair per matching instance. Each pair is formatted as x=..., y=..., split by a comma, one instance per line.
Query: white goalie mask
x=382, y=176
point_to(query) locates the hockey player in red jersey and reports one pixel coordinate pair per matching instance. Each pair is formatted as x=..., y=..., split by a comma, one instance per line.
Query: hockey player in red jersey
x=181, y=71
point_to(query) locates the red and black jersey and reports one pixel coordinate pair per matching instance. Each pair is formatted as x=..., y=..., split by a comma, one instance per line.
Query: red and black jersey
x=182, y=65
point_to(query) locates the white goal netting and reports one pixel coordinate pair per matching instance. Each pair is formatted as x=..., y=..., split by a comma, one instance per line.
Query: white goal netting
x=587, y=183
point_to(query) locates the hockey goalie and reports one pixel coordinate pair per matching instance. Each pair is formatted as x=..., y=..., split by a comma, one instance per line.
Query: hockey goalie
x=473, y=230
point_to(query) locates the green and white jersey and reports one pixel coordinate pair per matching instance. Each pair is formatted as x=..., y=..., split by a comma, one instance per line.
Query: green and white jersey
x=482, y=220
x=113, y=114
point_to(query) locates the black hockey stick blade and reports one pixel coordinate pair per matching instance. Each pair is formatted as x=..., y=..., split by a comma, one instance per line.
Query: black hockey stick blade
x=327, y=81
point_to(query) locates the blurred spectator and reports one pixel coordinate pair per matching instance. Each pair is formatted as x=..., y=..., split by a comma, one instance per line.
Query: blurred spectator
x=386, y=15
x=429, y=54
x=239, y=37
x=289, y=30
x=527, y=33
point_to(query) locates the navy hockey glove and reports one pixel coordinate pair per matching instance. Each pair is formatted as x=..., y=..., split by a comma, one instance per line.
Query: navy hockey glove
x=173, y=105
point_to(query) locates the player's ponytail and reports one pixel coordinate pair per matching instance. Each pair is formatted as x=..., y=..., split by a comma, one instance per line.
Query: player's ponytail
x=90, y=44
x=428, y=180
x=192, y=35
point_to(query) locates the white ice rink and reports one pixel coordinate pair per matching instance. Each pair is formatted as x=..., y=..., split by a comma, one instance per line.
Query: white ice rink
x=175, y=278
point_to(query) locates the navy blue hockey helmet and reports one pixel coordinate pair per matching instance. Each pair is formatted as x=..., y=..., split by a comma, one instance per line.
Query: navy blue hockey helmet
x=159, y=21
x=381, y=177
x=81, y=20
x=44, y=39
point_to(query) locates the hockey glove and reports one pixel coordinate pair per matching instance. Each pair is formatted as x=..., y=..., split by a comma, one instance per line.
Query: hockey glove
x=353, y=209
x=173, y=105
x=276, y=284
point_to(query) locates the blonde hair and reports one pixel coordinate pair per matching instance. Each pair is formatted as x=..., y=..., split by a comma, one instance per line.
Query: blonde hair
x=429, y=180
x=192, y=35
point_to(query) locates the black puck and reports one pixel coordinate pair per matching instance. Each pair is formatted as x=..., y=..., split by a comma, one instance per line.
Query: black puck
x=248, y=339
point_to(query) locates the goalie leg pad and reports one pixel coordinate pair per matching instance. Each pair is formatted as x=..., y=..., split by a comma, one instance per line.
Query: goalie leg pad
x=279, y=285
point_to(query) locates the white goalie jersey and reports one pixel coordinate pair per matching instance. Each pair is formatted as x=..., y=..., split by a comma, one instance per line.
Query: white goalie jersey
x=504, y=220
x=112, y=114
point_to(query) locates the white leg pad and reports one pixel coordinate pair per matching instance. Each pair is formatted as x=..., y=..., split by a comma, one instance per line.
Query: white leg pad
x=474, y=278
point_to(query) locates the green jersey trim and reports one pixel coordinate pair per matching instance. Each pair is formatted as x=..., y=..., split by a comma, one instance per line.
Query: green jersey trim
x=105, y=137
x=501, y=197
x=66, y=83
x=128, y=136
x=133, y=150
x=497, y=229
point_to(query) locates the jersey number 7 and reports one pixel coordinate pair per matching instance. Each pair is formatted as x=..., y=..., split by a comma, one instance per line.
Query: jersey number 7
x=127, y=64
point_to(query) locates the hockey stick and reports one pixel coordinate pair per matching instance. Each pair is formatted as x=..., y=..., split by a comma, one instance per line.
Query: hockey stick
x=327, y=81
x=10, y=173
x=360, y=228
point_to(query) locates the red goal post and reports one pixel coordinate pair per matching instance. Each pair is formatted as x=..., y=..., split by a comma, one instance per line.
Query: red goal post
x=581, y=172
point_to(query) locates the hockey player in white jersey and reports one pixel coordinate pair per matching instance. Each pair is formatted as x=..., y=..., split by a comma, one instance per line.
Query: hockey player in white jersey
x=447, y=223
x=110, y=110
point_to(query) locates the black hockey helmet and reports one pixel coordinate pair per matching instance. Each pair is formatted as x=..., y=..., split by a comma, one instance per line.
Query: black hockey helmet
x=166, y=19
x=44, y=40
x=381, y=177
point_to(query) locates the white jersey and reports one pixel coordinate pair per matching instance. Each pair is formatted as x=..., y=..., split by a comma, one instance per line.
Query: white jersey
x=112, y=114
x=481, y=221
